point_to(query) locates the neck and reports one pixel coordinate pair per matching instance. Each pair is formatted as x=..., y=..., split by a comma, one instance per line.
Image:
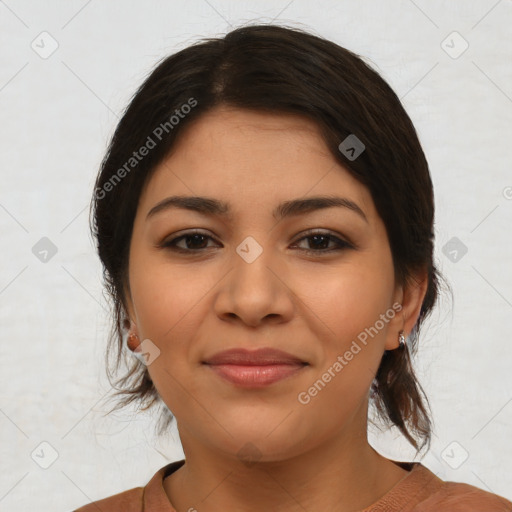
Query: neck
x=342, y=474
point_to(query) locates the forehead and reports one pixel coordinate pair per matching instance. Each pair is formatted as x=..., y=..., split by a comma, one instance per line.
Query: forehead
x=252, y=158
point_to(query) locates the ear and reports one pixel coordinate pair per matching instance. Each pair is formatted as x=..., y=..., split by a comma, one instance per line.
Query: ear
x=130, y=326
x=410, y=296
x=129, y=309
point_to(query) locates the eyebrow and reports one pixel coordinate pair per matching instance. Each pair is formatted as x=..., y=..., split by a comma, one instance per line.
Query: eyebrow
x=209, y=206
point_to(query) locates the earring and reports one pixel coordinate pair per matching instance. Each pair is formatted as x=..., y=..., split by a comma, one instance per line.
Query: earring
x=133, y=342
x=401, y=339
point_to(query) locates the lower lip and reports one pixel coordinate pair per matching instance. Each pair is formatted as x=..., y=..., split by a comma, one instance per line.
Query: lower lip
x=255, y=376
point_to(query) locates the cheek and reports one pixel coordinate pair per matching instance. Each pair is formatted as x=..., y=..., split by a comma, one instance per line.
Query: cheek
x=164, y=296
x=349, y=300
x=169, y=302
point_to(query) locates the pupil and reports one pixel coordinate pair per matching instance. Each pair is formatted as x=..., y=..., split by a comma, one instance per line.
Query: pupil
x=316, y=238
x=195, y=238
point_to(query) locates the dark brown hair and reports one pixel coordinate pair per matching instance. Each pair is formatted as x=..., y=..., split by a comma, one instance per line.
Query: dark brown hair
x=276, y=69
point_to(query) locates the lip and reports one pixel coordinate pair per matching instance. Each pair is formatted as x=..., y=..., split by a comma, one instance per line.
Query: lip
x=254, y=368
x=258, y=357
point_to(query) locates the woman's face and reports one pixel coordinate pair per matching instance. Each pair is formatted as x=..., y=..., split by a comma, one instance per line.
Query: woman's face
x=247, y=281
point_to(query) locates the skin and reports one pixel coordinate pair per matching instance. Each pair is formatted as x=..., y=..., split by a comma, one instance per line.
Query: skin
x=309, y=457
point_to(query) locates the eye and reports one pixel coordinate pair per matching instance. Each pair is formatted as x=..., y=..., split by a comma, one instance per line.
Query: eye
x=319, y=242
x=197, y=241
x=194, y=241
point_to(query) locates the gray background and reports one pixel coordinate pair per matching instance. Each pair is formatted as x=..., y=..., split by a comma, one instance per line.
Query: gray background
x=57, y=113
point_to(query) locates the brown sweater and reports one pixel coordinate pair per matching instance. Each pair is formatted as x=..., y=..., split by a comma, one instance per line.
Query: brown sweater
x=419, y=491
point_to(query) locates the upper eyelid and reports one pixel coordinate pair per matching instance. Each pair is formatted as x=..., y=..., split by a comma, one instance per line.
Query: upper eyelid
x=305, y=234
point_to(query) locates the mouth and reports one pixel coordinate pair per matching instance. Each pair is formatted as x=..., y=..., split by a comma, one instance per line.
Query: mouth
x=254, y=368
x=256, y=376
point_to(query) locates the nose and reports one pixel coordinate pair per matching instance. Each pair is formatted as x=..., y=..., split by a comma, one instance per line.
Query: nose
x=256, y=291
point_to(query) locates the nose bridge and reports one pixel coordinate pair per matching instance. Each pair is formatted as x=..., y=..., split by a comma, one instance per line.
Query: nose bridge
x=251, y=265
x=253, y=289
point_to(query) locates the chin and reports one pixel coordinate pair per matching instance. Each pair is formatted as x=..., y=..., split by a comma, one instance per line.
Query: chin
x=265, y=440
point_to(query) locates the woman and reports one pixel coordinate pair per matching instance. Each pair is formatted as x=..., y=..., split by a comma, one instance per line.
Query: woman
x=264, y=215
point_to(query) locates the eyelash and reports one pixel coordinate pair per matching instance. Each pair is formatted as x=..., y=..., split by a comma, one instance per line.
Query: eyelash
x=342, y=244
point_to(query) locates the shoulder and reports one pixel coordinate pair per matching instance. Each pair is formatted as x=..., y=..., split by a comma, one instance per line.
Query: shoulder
x=459, y=497
x=127, y=501
x=151, y=497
